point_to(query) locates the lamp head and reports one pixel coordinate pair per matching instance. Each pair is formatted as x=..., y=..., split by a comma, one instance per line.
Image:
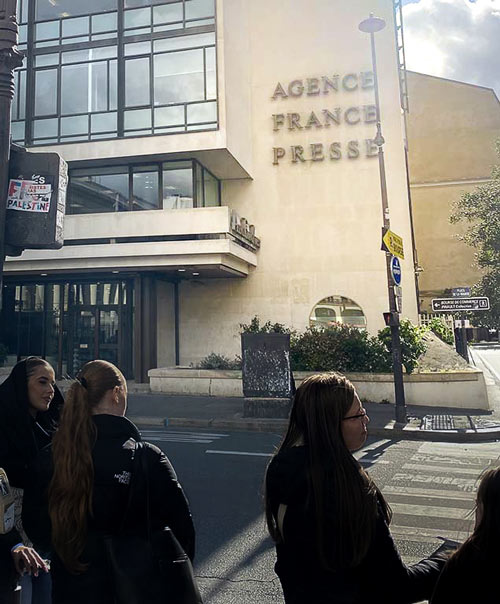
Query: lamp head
x=372, y=25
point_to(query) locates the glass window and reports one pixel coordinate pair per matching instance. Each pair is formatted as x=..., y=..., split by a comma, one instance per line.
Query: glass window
x=201, y=112
x=74, y=89
x=106, y=22
x=167, y=13
x=211, y=197
x=199, y=9
x=103, y=190
x=179, y=77
x=49, y=9
x=137, y=82
x=211, y=73
x=75, y=27
x=177, y=185
x=74, y=125
x=139, y=17
x=103, y=122
x=145, y=188
x=47, y=31
x=169, y=116
x=43, y=60
x=46, y=92
x=137, y=119
x=337, y=309
x=17, y=131
x=184, y=42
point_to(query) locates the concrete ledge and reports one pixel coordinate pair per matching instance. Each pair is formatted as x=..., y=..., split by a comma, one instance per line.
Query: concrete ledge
x=459, y=389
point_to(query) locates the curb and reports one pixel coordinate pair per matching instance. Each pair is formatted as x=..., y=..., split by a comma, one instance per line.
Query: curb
x=279, y=426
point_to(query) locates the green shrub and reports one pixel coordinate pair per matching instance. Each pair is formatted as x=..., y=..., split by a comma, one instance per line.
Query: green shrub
x=338, y=348
x=439, y=327
x=219, y=361
x=412, y=343
x=255, y=327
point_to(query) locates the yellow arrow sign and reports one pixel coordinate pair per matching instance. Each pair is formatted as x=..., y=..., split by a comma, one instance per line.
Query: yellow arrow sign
x=393, y=244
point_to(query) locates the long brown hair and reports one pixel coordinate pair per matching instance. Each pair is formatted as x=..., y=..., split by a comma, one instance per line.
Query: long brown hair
x=343, y=496
x=71, y=487
x=486, y=535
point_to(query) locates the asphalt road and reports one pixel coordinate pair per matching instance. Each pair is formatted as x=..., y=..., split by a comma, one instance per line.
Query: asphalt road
x=430, y=486
x=490, y=356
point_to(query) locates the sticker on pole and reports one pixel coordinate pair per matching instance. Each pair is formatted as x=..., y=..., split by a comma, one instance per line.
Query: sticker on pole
x=396, y=270
x=28, y=196
x=392, y=243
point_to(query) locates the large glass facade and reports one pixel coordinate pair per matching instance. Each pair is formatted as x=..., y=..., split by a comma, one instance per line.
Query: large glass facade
x=114, y=68
x=70, y=323
x=166, y=185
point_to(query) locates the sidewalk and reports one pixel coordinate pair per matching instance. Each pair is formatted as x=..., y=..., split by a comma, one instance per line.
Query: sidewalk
x=425, y=423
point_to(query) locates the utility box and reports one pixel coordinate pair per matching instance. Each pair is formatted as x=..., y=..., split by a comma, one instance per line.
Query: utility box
x=36, y=200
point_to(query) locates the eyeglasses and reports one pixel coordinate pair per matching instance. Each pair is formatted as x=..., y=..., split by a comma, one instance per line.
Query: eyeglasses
x=357, y=416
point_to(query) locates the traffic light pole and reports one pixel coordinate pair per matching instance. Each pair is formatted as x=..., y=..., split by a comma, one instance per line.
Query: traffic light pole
x=397, y=366
x=10, y=59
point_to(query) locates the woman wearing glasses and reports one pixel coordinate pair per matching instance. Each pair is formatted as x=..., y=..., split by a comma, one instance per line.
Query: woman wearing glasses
x=326, y=515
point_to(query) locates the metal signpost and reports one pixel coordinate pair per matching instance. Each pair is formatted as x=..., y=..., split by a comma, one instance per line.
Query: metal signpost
x=391, y=243
x=10, y=58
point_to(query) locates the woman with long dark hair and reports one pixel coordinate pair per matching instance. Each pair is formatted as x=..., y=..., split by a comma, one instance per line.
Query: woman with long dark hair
x=470, y=575
x=326, y=515
x=30, y=405
x=93, y=453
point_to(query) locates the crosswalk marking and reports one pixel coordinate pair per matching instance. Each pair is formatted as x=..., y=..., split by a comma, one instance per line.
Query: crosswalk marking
x=429, y=467
x=429, y=493
x=426, y=535
x=204, y=438
x=428, y=511
x=248, y=453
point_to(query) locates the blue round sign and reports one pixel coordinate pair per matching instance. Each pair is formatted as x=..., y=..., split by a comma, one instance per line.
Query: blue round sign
x=396, y=270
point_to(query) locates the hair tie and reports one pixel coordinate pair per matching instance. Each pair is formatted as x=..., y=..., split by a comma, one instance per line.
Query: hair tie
x=82, y=381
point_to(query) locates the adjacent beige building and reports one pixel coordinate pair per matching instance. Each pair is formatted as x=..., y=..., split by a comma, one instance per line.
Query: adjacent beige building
x=452, y=129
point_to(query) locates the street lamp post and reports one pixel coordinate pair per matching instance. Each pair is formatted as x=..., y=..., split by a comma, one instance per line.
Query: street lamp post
x=10, y=58
x=372, y=25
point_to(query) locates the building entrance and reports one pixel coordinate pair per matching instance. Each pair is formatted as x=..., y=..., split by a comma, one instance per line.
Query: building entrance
x=70, y=323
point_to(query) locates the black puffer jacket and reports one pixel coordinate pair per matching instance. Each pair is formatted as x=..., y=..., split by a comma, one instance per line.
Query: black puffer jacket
x=382, y=577
x=112, y=457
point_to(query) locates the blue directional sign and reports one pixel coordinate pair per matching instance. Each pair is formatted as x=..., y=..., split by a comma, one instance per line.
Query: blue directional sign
x=396, y=270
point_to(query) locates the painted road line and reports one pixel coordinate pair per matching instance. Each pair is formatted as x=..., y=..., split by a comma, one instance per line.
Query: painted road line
x=446, y=469
x=456, y=460
x=248, y=453
x=465, y=484
x=367, y=460
x=479, y=450
x=425, y=535
x=184, y=433
x=429, y=511
x=430, y=493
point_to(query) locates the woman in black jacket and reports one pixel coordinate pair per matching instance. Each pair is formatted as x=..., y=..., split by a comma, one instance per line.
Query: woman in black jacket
x=93, y=453
x=328, y=518
x=30, y=405
x=470, y=575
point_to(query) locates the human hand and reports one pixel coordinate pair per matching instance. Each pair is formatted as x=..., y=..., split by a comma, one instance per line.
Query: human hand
x=27, y=560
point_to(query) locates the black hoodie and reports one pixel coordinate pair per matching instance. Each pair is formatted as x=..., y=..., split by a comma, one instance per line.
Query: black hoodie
x=21, y=435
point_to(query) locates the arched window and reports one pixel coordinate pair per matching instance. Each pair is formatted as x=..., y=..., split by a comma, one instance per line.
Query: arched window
x=337, y=309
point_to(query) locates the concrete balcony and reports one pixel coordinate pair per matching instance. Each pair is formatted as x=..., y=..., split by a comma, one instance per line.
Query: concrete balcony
x=201, y=242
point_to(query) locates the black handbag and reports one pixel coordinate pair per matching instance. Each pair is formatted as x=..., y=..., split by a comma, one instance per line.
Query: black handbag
x=151, y=568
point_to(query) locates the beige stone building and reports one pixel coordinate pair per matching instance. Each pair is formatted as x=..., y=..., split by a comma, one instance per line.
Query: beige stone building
x=452, y=129
x=221, y=166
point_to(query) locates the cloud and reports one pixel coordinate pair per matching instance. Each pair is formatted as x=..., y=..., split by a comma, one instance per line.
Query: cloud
x=456, y=39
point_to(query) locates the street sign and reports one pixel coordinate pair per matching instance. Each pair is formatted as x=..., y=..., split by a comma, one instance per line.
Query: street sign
x=392, y=243
x=457, y=304
x=396, y=270
x=460, y=292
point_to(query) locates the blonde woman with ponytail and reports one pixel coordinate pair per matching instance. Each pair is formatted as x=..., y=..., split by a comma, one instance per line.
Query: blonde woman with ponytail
x=92, y=461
